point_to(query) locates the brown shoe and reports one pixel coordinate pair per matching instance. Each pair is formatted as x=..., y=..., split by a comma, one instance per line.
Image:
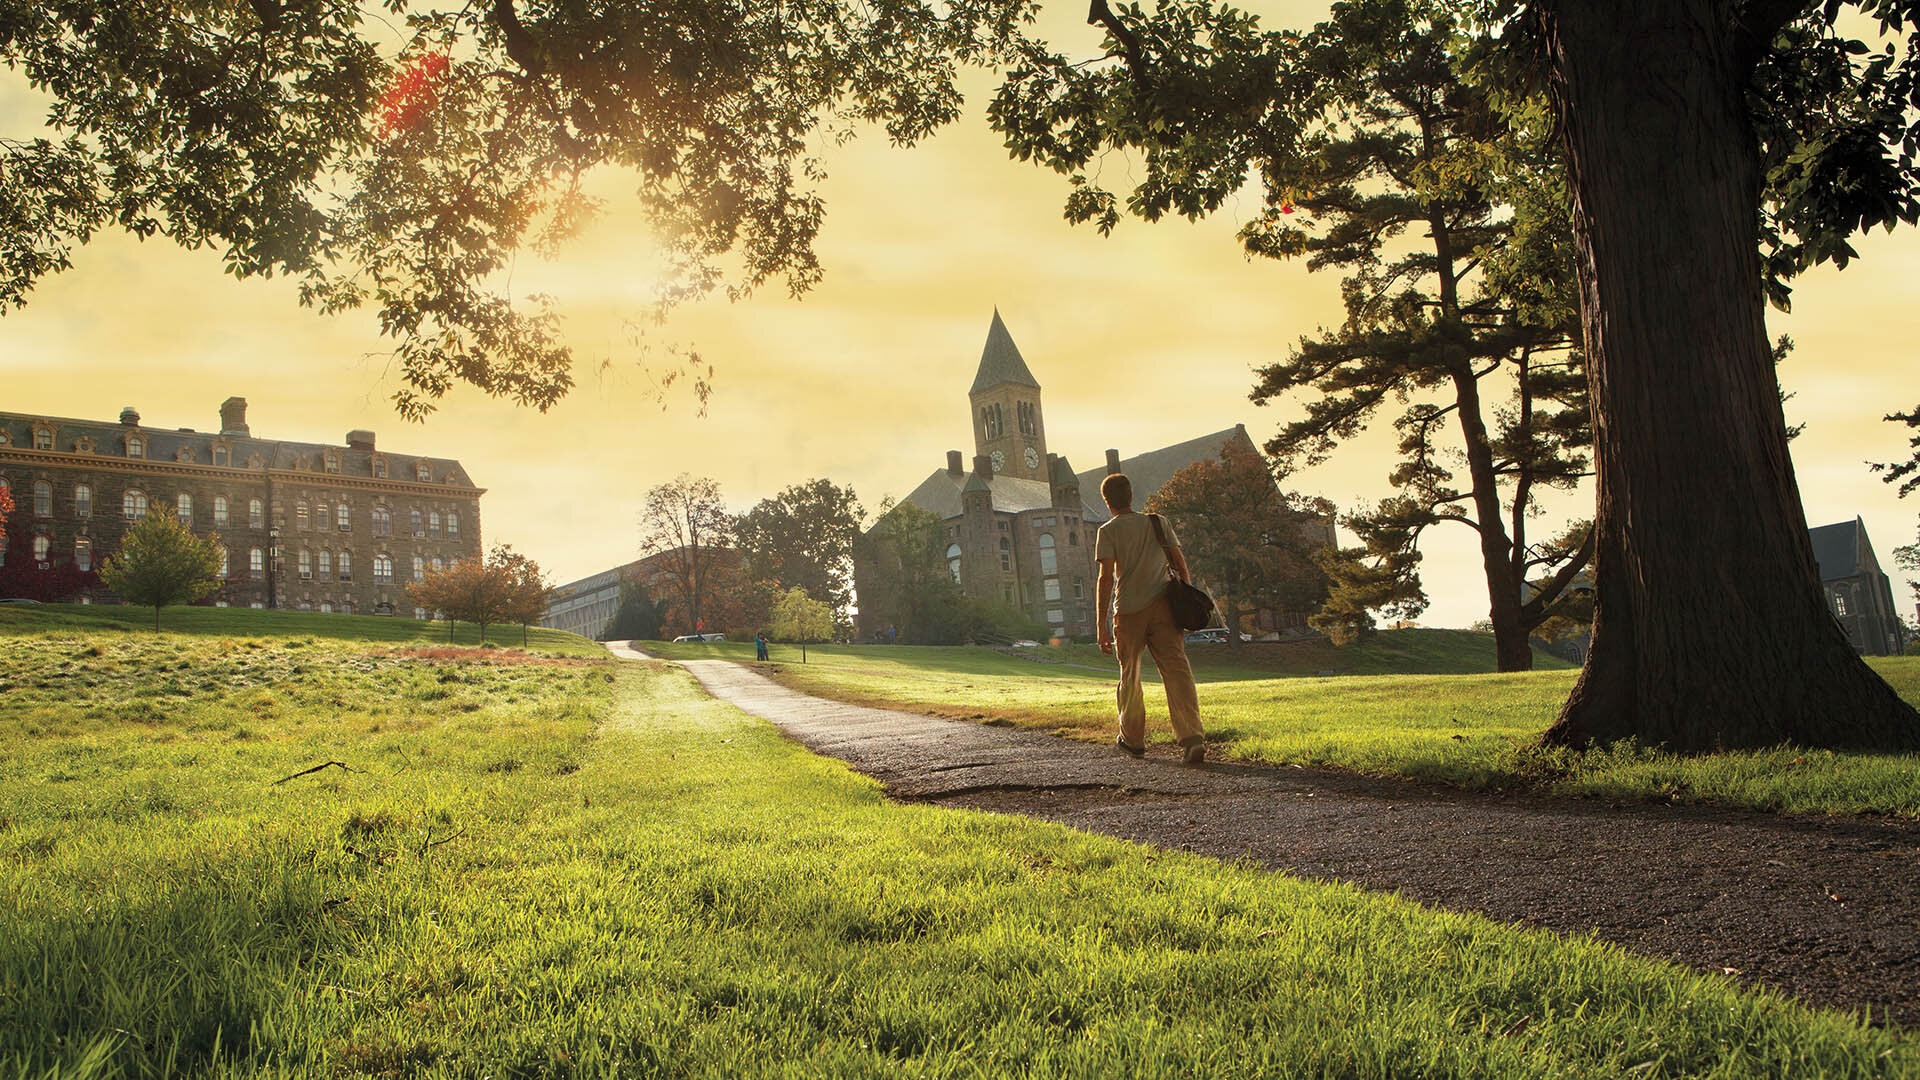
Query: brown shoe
x=1121, y=742
x=1196, y=754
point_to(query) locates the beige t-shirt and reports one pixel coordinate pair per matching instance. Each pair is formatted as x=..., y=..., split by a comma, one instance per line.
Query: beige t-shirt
x=1139, y=562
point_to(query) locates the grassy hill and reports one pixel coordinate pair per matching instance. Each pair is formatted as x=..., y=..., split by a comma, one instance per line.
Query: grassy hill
x=570, y=867
x=249, y=622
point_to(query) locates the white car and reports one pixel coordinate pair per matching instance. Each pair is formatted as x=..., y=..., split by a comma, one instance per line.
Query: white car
x=1216, y=634
x=699, y=637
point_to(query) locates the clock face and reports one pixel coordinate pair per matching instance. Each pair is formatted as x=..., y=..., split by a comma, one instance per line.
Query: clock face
x=999, y=460
x=1033, y=458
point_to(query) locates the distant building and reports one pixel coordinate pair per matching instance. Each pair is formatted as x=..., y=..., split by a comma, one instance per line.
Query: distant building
x=1020, y=524
x=309, y=526
x=586, y=606
x=1858, y=594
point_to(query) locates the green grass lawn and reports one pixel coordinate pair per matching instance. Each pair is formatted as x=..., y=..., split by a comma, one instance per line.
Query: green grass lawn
x=583, y=868
x=1475, y=731
x=247, y=622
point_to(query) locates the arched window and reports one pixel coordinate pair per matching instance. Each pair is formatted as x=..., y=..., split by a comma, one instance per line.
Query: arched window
x=222, y=456
x=42, y=438
x=133, y=504
x=184, y=504
x=346, y=566
x=256, y=514
x=41, y=545
x=83, y=555
x=346, y=606
x=306, y=564
x=332, y=462
x=136, y=448
x=42, y=498
x=326, y=607
x=953, y=560
x=300, y=519
x=341, y=519
x=383, y=567
x=433, y=524
x=1049, y=559
x=382, y=521
x=220, y=511
x=417, y=529
x=256, y=564
x=422, y=472
x=326, y=564
x=453, y=525
x=438, y=564
x=419, y=568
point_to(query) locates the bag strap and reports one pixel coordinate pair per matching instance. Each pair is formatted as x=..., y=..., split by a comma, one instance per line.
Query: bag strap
x=1161, y=534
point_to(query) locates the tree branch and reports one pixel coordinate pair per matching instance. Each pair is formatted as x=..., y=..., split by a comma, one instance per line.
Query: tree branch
x=1099, y=14
x=1534, y=611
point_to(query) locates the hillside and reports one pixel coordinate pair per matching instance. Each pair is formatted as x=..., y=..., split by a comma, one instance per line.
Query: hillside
x=249, y=622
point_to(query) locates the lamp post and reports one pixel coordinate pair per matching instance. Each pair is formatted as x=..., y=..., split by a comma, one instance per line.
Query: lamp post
x=273, y=566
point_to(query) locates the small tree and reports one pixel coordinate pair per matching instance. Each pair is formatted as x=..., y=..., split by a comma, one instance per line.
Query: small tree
x=800, y=618
x=471, y=589
x=526, y=588
x=161, y=562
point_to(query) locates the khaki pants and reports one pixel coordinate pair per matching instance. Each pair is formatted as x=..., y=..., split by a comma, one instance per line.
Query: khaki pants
x=1152, y=628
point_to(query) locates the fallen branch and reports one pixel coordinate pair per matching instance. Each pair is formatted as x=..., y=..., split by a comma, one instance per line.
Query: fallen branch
x=344, y=767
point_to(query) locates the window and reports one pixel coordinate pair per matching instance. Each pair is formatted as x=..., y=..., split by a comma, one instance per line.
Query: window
x=422, y=472
x=220, y=510
x=223, y=564
x=136, y=448
x=133, y=505
x=346, y=606
x=420, y=613
x=320, y=517
x=306, y=605
x=453, y=525
x=340, y=518
x=417, y=529
x=1073, y=539
x=300, y=519
x=222, y=456
x=42, y=438
x=419, y=568
x=326, y=608
x=1056, y=616
x=1006, y=593
x=382, y=521
x=42, y=498
x=306, y=565
x=345, y=569
x=1052, y=587
x=256, y=605
x=1028, y=424
x=433, y=524
x=1006, y=554
x=256, y=564
x=326, y=565
x=83, y=556
x=380, y=467
x=256, y=513
x=41, y=545
x=438, y=565
x=184, y=504
x=1077, y=593
x=383, y=567
x=1049, y=559
x=953, y=560
x=332, y=462
x=221, y=603
x=1839, y=604
x=990, y=421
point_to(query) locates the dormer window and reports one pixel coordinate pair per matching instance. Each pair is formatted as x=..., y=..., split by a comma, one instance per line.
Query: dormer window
x=81, y=445
x=42, y=437
x=136, y=447
x=222, y=456
x=255, y=461
x=5, y=439
x=331, y=461
x=380, y=467
x=184, y=455
x=423, y=472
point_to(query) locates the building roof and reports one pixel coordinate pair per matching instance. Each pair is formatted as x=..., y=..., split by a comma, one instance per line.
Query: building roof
x=940, y=493
x=164, y=444
x=1151, y=470
x=1843, y=550
x=1000, y=361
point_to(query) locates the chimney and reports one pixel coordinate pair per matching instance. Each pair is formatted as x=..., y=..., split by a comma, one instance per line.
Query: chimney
x=233, y=417
x=955, y=464
x=130, y=416
x=360, y=439
x=983, y=466
x=1113, y=462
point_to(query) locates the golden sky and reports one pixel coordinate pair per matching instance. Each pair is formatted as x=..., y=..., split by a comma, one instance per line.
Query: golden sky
x=1141, y=339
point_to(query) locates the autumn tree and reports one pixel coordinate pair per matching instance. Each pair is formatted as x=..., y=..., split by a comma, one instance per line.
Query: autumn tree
x=527, y=589
x=286, y=137
x=684, y=526
x=479, y=591
x=161, y=562
x=1252, y=545
x=6, y=511
x=803, y=538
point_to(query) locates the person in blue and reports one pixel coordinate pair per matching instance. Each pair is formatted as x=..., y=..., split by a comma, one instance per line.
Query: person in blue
x=759, y=647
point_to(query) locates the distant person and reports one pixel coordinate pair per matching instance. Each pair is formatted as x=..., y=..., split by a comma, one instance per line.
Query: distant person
x=1133, y=593
x=759, y=647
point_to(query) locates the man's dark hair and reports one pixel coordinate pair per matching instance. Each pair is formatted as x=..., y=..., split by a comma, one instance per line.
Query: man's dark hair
x=1117, y=490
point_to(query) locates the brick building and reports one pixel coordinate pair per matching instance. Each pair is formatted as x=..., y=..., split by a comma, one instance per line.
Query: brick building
x=1021, y=523
x=309, y=526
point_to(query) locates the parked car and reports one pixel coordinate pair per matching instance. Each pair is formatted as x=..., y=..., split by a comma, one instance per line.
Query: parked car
x=1026, y=644
x=18, y=600
x=1216, y=634
x=699, y=637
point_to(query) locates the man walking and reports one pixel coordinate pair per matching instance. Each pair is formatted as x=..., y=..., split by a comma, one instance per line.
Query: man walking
x=1133, y=593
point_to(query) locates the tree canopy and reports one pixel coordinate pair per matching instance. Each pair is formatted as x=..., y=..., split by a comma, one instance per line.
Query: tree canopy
x=803, y=538
x=161, y=563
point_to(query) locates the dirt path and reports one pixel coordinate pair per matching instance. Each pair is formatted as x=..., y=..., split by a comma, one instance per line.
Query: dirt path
x=1826, y=909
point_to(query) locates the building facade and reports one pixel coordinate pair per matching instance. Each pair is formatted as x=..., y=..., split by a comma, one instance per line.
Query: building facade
x=1858, y=594
x=305, y=526
x=1021, y=522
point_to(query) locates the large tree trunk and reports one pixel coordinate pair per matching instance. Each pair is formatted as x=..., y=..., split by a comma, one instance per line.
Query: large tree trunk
x=1710, y=630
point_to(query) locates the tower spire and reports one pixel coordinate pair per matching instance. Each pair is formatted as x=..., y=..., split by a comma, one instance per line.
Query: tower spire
x=1000, y=360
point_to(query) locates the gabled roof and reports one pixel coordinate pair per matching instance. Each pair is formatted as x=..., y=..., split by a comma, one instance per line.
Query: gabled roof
x=1000, y=361
x=1154, y=468
x=940, y=493
x=1843, y=550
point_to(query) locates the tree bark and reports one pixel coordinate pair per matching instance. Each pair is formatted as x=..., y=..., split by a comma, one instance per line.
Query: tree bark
x=1710, y=629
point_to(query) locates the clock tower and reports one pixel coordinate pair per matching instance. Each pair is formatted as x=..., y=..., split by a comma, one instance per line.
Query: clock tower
x=1007, y=426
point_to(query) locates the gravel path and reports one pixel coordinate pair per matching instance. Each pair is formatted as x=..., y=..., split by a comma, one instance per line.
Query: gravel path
x=1827, y=909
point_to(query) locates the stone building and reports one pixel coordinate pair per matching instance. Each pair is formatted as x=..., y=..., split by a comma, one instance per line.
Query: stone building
x=308, y=526
x=1858, y=594
x=1021, y=522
